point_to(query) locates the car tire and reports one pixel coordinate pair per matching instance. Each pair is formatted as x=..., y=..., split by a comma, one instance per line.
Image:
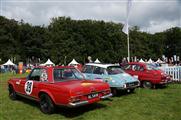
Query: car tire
x=12, y=93
x=114, y=91
x=46, y=104
x=147, y=84
x=132, y=90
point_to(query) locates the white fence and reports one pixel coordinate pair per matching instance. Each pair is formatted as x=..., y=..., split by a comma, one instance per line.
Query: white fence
x=174, y=71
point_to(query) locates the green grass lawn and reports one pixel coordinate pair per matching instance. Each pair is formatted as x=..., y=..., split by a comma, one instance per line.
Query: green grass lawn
x=144, y=104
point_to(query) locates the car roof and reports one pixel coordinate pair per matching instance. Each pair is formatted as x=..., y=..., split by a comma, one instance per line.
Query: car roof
x=101, y=65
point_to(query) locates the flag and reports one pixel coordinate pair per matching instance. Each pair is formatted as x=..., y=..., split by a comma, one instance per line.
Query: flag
x=126, y=25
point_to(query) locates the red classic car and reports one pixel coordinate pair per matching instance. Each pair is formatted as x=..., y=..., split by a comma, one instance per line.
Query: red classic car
x=148, y=74
x=61, y=85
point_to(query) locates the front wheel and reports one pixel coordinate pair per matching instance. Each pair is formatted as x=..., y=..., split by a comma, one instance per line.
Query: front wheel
x=147, y=84
x=132, y=90
x=12, y=93
x=114, y=91
x=46, y=104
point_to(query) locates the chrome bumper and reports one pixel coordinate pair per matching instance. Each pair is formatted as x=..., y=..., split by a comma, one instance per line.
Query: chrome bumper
x=106, y=96
x=77, y=104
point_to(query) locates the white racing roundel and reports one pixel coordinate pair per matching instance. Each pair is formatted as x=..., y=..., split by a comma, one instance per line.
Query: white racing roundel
x=29, y=87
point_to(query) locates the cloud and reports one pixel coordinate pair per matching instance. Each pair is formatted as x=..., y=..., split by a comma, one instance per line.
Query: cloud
x=150, y=15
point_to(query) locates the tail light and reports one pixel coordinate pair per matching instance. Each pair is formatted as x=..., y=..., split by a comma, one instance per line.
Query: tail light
x=75, y=99
x=106, y=92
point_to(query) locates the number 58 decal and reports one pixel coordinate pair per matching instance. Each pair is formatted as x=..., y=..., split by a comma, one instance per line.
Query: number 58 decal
x=29, y=87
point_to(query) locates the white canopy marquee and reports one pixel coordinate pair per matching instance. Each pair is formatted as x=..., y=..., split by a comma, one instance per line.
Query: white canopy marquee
x=73, y=62
x=141, y=60
x=97, y=61
x=48, y=62
x=159, y=61
x=150, y=61
x=9, y=63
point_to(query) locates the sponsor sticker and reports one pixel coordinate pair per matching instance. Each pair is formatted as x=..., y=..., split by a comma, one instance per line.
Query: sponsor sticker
x=29, y=87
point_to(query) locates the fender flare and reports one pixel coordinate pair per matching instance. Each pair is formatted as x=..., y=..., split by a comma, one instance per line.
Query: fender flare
x=48, y=93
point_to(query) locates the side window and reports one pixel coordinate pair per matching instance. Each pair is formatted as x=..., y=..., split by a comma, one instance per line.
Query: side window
x=126, y=67
x=38, y=74
x=141, y=68
x=98, y=70
x=87, y=69
x=137, y=68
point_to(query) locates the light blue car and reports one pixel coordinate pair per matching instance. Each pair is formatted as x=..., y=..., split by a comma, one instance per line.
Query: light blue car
x=112, y=74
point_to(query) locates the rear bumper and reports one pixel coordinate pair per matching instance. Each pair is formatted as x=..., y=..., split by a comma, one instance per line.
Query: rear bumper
x=77, y=104
x=166, y=82
x=106, y=96
x=81, y=103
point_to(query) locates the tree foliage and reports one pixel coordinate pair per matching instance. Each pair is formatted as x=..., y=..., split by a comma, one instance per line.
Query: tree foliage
x=64, y=39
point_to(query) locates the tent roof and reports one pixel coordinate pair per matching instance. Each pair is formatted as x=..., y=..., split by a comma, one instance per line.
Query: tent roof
x=49, y=62
x=9, y=63
x=159, y=61
x=141, y=60
x=150, y=61
x=97, y=61
x=74, y=62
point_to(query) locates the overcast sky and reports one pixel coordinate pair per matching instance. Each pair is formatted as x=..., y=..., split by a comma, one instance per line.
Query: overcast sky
x=150, y=15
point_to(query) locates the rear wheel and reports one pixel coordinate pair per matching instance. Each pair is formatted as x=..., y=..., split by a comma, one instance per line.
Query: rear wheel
x=12, y=93
x=147, y=84
x=46, y=104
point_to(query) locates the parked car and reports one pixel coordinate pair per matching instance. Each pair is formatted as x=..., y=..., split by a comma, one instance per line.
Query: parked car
x=148, y=74
x=112, y=74
x=61, y=85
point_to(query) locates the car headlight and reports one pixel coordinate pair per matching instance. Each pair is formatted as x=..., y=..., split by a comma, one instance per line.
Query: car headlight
x=113, y=81
x=124, y=85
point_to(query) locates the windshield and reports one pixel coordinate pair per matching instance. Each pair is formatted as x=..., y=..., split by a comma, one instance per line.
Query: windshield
x=113, y=70
x=67, y=74
x=151, y=67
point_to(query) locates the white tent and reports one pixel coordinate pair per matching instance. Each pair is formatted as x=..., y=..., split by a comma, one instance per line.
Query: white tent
x=141, y=60
x=159, y=61
x=48, y=62
x=9, y=63
x=97, y=61
x=73, y=62
x=150, y=61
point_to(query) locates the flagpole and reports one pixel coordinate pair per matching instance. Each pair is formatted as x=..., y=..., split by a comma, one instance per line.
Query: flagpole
x=126, y=26
x=128, y=46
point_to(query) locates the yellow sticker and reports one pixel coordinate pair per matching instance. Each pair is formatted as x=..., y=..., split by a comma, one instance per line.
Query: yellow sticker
x=86, y=84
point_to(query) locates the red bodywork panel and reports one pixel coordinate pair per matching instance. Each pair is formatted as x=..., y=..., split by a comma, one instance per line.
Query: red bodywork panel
x=62, y=92
x=143, y=74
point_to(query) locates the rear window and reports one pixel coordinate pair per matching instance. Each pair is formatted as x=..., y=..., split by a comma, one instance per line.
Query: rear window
x=67, y=74
x=151, y=67
x=113, y=70
x=87, y=69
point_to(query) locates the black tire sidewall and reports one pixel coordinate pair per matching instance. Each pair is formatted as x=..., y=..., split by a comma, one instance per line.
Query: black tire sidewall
x=49, y=102
x=145, y=85
x=114, y=91
x=12, y=93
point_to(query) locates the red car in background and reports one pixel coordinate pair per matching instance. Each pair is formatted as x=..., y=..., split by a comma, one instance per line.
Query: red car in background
x=148, y=74
x=64, y=86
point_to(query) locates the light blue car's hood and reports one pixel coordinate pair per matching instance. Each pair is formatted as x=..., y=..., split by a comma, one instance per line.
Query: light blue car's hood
x=123, y=78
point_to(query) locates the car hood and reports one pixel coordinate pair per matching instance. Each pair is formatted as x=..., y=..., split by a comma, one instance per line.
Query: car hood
x=79, y=87
x=123, y=78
